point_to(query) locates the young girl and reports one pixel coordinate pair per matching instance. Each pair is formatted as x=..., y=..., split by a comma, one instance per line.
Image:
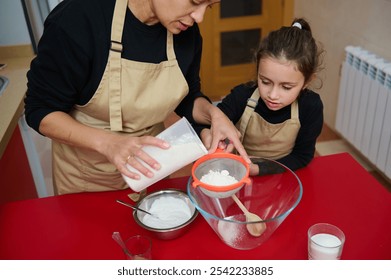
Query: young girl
x=278, y=116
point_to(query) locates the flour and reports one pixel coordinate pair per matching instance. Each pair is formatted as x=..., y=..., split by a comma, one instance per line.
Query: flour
x=232, y=233
x=218, y=178
x=167, y=212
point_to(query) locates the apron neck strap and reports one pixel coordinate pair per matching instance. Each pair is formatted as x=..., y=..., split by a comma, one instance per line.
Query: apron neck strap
x=117, y=25
x=295, y=110
x=170, y=46
x=252, y=102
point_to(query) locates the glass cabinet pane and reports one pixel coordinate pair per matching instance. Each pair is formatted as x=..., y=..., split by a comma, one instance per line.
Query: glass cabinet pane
x=240, y=8
x=237, y=47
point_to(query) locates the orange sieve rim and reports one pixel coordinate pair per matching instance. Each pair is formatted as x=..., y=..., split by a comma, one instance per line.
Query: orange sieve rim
x=198, y=183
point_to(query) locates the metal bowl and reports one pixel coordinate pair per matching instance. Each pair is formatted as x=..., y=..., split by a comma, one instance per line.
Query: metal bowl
x=165, y=233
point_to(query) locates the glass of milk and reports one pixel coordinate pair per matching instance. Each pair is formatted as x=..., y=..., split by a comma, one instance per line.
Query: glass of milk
x=325, y=242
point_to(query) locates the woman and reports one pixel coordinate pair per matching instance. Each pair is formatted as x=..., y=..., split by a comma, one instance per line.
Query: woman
x=106, y=76
x=278, y=116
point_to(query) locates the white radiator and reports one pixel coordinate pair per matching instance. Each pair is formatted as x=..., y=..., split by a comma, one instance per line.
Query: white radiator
x=364, y=106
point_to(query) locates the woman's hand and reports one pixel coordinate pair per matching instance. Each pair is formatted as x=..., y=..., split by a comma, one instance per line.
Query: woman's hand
x=123, y=150
x=119, y=148
x=223, y=134
x=207, y=139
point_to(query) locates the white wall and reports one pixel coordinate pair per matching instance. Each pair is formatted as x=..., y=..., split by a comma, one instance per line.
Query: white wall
x=13, y=27
x=336, y=23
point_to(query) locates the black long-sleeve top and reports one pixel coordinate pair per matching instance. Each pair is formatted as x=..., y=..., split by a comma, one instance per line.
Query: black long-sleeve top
x=310, y=116
x=73, y=53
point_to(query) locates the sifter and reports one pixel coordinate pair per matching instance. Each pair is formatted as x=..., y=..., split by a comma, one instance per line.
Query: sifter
x=219, y=161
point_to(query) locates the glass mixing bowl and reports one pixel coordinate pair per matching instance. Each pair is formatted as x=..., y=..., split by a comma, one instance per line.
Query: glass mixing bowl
x=272, y=197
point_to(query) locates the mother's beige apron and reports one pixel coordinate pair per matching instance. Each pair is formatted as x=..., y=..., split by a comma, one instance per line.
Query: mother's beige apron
x=263, y=139
x=133, y=98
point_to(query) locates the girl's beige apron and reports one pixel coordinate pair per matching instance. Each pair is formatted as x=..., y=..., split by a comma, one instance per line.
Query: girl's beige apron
x=267, y=140
x=133, y=98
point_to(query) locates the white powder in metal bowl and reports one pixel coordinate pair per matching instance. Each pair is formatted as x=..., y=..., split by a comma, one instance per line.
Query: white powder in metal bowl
x=218, y=178
x=168, y=212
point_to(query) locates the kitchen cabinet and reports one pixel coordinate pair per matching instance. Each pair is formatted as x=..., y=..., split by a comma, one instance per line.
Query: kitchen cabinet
x=16, y=180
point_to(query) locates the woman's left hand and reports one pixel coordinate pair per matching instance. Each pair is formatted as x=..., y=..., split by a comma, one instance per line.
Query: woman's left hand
x=223, y=134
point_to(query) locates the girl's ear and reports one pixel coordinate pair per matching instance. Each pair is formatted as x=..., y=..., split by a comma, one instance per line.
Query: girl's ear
x=309, y=81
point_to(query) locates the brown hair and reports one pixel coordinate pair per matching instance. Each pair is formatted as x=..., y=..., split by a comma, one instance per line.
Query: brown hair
x=293, y=43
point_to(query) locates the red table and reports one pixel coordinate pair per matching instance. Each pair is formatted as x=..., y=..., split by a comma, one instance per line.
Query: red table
x=337, y=190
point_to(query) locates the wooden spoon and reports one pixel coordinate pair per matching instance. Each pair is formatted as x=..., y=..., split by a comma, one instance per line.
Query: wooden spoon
x=255, y=229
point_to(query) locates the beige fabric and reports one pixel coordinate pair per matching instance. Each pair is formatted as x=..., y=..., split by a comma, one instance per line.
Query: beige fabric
x=132, y=97
x=266, y=140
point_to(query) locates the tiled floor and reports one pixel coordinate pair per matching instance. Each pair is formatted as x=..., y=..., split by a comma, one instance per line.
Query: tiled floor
x=330, y=142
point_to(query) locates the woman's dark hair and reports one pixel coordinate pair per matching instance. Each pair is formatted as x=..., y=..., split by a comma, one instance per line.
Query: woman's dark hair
x=293, y=43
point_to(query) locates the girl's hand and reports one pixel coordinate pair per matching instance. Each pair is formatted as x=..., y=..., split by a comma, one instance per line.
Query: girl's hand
x=254, y=169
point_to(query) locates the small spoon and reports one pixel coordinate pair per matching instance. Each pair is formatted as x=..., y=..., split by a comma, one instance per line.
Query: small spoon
x=135, y=208
x=254, y=229
x=117, y=237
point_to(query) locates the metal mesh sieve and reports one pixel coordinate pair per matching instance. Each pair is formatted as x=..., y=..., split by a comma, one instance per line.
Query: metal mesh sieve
x=218, y=162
